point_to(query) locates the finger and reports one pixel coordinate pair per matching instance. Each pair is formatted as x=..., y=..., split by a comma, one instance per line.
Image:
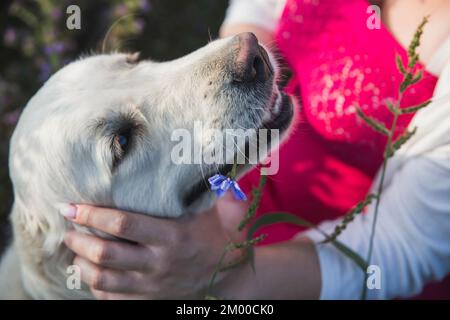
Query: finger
x=104, y=295
x=109, y=280
x=126, y=225
x=231, y=212
x=108, y=253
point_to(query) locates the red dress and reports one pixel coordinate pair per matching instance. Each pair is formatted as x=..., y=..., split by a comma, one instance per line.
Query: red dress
x=330, y=160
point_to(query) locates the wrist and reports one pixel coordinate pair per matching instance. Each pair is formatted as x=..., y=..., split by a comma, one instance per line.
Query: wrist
x=233, y=282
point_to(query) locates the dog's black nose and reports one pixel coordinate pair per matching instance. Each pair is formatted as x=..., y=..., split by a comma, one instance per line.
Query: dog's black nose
x=251, y=61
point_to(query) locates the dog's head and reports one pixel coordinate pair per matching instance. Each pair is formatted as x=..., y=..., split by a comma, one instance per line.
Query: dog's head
x=101, y=129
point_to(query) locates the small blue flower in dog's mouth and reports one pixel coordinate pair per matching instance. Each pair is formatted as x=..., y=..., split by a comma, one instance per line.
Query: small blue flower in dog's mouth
x=221, y=184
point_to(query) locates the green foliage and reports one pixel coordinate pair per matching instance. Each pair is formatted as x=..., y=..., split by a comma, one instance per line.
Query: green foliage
x=257, y=194
x=349, y=217
x=390, y=150
x=249, y=243
x=372, y=122
x=414, y=109
x=410, y=77
x=284, y=217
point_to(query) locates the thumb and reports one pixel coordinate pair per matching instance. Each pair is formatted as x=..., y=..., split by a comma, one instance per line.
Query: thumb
x=231, y=212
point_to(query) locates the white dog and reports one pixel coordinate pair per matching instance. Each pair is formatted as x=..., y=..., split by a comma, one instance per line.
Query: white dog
x=99, y=131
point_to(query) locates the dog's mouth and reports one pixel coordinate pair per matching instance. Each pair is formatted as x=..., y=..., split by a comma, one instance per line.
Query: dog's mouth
x=277, y=116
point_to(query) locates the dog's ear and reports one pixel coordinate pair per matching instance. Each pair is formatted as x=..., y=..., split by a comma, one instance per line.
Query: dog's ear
x=39, y=225
x=133, y=58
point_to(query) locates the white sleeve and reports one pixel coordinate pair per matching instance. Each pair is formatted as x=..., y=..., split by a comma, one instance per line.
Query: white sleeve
x=412, y=239
x=263, y=13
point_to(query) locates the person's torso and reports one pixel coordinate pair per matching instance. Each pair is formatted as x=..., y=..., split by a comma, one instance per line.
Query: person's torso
x=331, y=157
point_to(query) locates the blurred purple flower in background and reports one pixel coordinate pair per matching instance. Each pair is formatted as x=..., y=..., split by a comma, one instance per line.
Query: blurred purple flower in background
x=145, y=6
x=10, y=36
x=44, y=71
x=56, y=13
x=56, y=47
x=140, y=24
x=12, y=117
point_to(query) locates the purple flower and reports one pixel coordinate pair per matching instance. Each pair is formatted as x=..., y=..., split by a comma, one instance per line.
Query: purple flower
x=57, y=47
x=140, y=24
x=44, y=71
x=10, y=36
x=220, y=184
x=145, y=5
x=12, y=117
x=56, y=13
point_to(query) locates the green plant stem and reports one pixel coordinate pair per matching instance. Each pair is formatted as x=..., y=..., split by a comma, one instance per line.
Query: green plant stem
x=248, y=216
x=380, y=191
x=232, y=173
x=215, y=273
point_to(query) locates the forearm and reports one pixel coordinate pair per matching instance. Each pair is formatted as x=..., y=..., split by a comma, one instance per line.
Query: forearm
x=289, y=270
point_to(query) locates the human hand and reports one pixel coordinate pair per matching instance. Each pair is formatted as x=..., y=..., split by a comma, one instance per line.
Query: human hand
x=163, y=258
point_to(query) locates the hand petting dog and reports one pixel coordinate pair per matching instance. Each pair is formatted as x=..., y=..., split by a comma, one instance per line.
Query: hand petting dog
x=162, y=258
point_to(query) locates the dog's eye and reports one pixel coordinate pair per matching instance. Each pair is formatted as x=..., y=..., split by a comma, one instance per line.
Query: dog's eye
x=120, y=145
x=122, y=140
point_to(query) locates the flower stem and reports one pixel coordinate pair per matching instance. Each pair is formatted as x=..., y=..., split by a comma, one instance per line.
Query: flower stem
x=380, y=191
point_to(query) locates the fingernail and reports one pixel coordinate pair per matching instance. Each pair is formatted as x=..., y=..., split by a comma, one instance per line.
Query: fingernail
x=68, y=210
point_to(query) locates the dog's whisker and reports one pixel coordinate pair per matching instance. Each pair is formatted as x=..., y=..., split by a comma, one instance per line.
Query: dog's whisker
x=110, y=29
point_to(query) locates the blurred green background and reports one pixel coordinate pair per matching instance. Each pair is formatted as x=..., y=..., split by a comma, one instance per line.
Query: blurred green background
x=35, y=42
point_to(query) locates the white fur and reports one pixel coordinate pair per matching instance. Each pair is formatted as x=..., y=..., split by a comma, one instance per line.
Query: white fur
x=58, y=157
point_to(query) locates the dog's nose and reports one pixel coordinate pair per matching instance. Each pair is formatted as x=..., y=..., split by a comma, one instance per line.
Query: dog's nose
x=251, y=62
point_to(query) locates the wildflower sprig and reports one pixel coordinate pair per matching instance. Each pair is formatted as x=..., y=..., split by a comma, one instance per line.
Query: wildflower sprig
x=410, y=77
x=349, y=217
x=249, y=243
x=257, y=194
x=221, y=184
x=252, y=225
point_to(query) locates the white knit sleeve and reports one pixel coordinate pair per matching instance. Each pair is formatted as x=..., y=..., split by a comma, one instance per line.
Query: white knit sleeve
x=412, y=240
x=262, y=13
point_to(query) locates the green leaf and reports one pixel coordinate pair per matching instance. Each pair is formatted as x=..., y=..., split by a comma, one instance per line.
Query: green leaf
x=274, y=218
x=416, y=78
x=232, y=173
x=400, y=66
x=251, y=211
x=373, y=123
x=349, y=217
x=235, y=263
x=392, y=108
x=245, y=244
x=403, y=139
x=356, y=258
x=284, y=217
x=406, y=82
x=415, y=108
x=415, y=43
x=413, y=60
